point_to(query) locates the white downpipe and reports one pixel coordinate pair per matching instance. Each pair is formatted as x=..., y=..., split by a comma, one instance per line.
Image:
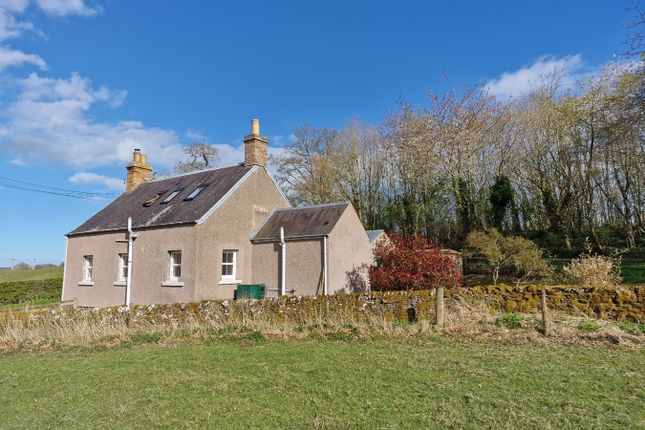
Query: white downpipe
x=128, y=281
x=283, y=263
x=325, y=267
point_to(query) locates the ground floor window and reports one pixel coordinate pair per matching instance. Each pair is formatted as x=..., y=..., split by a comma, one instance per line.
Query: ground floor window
x=229, y=263
x=88, y=266
x=123, y=267
x=175, y=266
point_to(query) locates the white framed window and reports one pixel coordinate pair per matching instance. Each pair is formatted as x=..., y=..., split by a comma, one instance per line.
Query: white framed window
x=123, y=268
x=88, y=267
x=175, y=266
x=171, y=196
x=195, y=192
x=229, y=264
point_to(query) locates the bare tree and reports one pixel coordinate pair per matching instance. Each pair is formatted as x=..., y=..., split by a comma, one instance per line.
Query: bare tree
x=199, y=156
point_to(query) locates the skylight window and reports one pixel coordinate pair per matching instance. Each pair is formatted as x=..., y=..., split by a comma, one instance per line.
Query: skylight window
x=195, y=192
x=171, y=196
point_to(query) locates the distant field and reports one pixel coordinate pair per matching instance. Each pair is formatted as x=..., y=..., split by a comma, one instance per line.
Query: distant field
x=31, y=275
x=385, y=383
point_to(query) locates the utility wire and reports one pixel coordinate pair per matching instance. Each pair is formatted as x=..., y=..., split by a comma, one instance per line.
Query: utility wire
x=37, y=188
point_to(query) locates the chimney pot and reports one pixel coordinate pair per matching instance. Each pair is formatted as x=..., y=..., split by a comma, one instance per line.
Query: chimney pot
x=255, y=127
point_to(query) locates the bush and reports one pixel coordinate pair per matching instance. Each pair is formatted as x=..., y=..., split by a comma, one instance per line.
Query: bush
x=593, y=271
x=510, y=321
x=509, y=252
x=30, y=291
x=412, y=264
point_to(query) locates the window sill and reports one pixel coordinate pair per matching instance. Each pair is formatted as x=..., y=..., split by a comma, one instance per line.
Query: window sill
x=172, y=284
x=119, y=284
x=230, y=282
x=86, y=284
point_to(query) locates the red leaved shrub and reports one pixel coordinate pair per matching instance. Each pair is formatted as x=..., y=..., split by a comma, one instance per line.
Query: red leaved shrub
x=411, y=263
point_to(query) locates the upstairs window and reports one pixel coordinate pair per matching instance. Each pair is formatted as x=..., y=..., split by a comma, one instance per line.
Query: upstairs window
x=229, y=263
x=170, y=196
x=175, y=266
x=195, y=192
x=88, y=266
x=123, y=268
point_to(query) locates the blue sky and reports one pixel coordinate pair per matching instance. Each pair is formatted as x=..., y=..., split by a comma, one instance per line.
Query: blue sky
x=82, y=83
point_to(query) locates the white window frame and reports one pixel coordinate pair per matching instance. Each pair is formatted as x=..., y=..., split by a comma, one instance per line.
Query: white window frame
x=171, y=196
x=88, y=268
x=122, y=276
x=195, y=192
x=173, y=264
x=233, y=264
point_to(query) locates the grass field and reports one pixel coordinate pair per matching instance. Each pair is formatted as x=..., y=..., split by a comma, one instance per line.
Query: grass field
x=389, y=383
x=31, y=275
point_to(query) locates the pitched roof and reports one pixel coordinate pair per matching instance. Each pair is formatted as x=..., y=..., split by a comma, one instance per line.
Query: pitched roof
x=308, y=221
x=374, y=234
x=145, y=204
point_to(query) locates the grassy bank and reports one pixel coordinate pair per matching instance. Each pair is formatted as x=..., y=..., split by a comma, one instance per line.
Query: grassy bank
x=386, y=383
x=31, y=275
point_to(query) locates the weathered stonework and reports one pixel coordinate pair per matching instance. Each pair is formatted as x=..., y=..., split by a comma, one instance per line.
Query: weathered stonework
x=139, y=171
x=256, y=151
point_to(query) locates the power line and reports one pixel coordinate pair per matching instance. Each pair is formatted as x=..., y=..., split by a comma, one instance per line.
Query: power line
x=45, y=189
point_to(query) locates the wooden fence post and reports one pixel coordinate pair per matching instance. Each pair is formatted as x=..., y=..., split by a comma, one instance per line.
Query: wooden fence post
x=545, y=314
x=438, y=304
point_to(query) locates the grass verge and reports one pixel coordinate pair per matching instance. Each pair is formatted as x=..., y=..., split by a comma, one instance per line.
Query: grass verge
x=387, y=383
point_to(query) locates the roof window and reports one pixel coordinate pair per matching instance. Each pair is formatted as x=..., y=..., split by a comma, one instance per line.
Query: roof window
x=171, y=196
x=195, y=192
x=150, y=202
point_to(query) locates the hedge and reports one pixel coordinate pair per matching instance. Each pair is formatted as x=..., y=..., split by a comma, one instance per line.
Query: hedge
x=29, y=291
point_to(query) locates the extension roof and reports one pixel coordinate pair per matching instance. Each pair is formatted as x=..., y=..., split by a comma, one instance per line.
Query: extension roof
x=145, y=204
x=374, y=234
x=298, y=223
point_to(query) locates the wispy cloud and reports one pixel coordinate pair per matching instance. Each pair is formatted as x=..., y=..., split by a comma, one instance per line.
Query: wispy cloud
x=114, y=184
x=567, y=70
x=66, y=7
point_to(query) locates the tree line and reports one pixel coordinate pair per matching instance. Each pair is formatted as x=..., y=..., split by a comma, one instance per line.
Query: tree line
x=560, y=166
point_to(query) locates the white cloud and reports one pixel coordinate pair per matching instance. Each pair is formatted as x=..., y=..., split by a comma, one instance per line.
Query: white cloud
x=66, y=7
x=48, y=122
x=92, y=178
x=12, y=57
x=567, y=70
x=14, y=5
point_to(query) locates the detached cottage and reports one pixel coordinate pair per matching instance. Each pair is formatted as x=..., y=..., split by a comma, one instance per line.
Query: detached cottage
x=197, y=236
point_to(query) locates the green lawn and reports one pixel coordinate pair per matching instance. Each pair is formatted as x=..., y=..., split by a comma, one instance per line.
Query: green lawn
x=308, y=384
x=31, y=275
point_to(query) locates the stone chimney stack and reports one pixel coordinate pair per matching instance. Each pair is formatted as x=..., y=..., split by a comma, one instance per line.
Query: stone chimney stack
x=256, y=152
x=139, y=171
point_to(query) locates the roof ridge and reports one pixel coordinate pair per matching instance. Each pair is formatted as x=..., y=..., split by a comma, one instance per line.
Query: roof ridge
x=324, y=205
x=179, y=175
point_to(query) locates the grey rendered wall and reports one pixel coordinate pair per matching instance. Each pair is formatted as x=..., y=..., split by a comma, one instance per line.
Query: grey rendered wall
x=349, y=249
x=105, y=251
x=231, y=227
x=151, y=265
x=303, y=267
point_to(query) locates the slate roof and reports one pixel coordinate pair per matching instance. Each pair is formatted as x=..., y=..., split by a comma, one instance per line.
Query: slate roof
x=308, y=221
x=374, y=234
x=177, y=211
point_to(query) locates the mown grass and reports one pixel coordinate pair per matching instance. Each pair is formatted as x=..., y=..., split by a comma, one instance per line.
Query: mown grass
x=387, y=383
x=31, y=275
